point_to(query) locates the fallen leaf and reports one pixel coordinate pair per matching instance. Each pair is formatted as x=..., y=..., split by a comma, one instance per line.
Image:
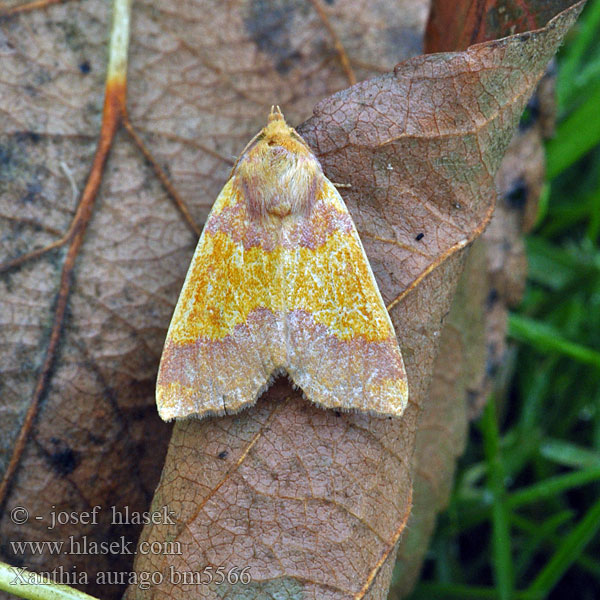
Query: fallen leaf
x=201, y=81
x=475, y=352
x=313, y=502
x=443, y=424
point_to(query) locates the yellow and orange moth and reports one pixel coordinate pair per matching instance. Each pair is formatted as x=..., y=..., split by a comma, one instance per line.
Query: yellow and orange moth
x=279, y=283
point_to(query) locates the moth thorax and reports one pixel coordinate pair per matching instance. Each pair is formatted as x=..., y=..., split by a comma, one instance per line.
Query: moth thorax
x=281, y=184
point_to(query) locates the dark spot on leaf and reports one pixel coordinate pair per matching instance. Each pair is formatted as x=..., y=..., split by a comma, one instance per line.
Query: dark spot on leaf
x=516, y=196
x=492, y=298
x=531, y=114
x=73, y=36
x=271, y=26
x=472, y=398
x=30, y=90
x=223, y=454
x=419, y=237
x=27, y=136
x=33, y=190
x=85, y=67
x=41, y=77
x=96, y=440
x=16, y=560
x=5, y=156
x=63, y=459
x=491, y=364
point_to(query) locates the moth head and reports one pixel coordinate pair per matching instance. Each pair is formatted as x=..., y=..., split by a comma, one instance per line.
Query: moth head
x=279, y=135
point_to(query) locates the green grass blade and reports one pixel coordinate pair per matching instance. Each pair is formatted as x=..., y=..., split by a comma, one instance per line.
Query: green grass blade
x=566, y=554
x=472, y=515
x=501, y=550
x=537, y=535
x=588, y=31
x=548, y=339
x=552, y=487
x=570, y=455
x=439, y=591
x=585, y=562
x=556, y=267
x=576, y=135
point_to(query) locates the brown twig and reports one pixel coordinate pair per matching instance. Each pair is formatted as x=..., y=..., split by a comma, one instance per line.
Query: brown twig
x=114, y=106
x=162, y=176
x=339, y=47
x=28, y=7
x=112, y=114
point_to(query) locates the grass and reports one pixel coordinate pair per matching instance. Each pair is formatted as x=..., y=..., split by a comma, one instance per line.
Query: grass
x=524, y=517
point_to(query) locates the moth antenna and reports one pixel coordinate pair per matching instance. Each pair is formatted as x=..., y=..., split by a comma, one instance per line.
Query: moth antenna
x=275, y=114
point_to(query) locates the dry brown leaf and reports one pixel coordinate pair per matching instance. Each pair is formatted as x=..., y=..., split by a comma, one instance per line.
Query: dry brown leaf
x=419, y=148
x=473, y=345
x=473, y=348
x=196, y=93
x=201, y=80
x=440, y=440
x=494, y=278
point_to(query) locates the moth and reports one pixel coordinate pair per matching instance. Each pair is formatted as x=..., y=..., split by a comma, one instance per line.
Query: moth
x=279, y=283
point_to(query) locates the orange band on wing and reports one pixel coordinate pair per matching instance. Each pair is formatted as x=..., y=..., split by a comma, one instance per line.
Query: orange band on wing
x=331, y=286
